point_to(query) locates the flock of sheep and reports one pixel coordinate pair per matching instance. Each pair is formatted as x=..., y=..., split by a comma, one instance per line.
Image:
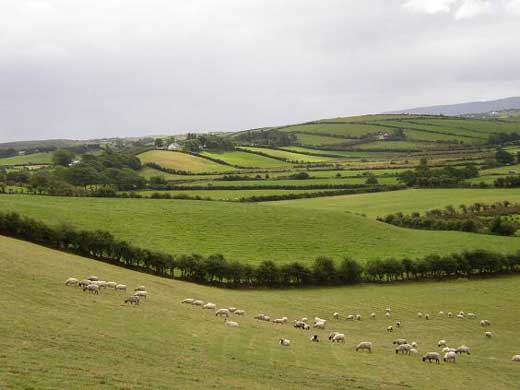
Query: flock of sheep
x=402, y=346
x=93, y=285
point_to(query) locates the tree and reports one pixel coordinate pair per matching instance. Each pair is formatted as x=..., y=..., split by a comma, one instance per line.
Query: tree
x=159, y=143
x=39, y=181
x=324, y=270
x=267, y=273
x=371, y=179
x=350, y=271
x=503, y=157
x=62, y=157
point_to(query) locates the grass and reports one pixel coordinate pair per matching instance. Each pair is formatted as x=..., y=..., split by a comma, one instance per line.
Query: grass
x=319, y=140
x=250, y=232
x=398, y=145
x=54, y=336
x=30, y=159
x=407, y=201
x=248, y=160
x=148, y=172
x=182, y=161
x=291, y=156
x=332, y=181
x=346, y=130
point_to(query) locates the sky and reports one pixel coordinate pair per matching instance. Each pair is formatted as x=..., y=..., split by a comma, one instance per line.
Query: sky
x=81, y=69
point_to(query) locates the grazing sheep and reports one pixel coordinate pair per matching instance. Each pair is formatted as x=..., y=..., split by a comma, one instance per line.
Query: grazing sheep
x=388, y=310
x=141, y=293
x=350, y=317
x=198, y=302
x=336, y=315
x=426, y=316
x=239, y=312
x=232, y=309
x=372, y=316
x=282, y=320
x=111, y=285
x=84, y=283
x=485, y=323
x=319, y=324
x=262, y=317
x=92, y=278
x=442, y=343
x=188, y=301
x=399, y=342
x=301, y=325
x=358, y=317
x=390, y=328
x=222, y=312
x=460, y=316
x=435, y=356
x=285, y=342
x=315, y=338
x=463, y=349
x=364, y=346
x=92, y=288
x=388, y=315
x=140, y=288
x=413, y=344
x=448, y=349
x=516, y=358
x=304, y=319
x=450, y=314
x=419, y=315
x=121, y=287
x=441, y=313
x=462, y=313
x=489, y=335
x=398, y=324
x=403, y=349
x=71, y=282
x=450, y=357
x=339, y=338
x=231, y=324
x=209, y=306
x=133, y=300
x=413, y=351
x=318, y=319
x=472, y=315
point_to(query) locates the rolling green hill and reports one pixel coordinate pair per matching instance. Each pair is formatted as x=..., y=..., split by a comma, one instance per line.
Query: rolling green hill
x=35, y=158
x=248, y=232
x=54, y=336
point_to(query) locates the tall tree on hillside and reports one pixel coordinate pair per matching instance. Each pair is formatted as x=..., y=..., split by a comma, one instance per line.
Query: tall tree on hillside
x=503, y=157
x=62, y=157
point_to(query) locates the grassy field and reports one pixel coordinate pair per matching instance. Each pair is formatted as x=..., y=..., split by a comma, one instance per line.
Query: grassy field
x=407, y=201
x=291, y=156
x=248, y=160
x=54, y=336
x=319, y=140
x=332, y=181
x=250, y=232
x=182, y=161
x=33, y=159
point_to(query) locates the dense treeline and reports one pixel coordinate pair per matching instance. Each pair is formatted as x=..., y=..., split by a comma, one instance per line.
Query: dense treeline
x=216, y=269
x=477, y=218
x=508, y=182
x=266, y=138
x=503, y=138
x=448, y=176
x=198, y=142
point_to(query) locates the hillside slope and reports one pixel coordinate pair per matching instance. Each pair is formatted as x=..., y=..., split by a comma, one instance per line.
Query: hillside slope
x=54, y=336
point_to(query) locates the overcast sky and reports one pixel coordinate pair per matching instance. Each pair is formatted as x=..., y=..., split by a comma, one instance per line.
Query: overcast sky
x=97, y=68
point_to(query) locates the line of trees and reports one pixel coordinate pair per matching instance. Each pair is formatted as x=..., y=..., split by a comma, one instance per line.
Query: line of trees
x=424, y=176
x=216, y=269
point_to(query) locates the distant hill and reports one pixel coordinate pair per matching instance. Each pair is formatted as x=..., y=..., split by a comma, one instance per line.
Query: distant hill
x=465, y=108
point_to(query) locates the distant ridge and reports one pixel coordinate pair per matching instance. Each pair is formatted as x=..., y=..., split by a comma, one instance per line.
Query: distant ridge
x=510, y=103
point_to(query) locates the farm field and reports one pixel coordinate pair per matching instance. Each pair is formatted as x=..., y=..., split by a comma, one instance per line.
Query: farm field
x=248, y=160
x=406, y=201
x=182, y=161
x=148, y=172
x=290, y=156
x=319, y=140
x=249, y=232
x=162, y=344
x=332, y=181
x=32, y=159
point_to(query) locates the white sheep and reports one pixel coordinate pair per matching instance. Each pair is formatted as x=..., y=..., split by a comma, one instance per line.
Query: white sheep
x=390, y=328
x=121, y=287
x=388, y=310
x=99, y=283
x=450, y=357
x=413, y=344
x=318, y=319
x=301, y=325
x=403, y=349
x=426, y=316
x=232, y=309
x=388, y=315
x=442, y=343
x=239, y=312
x=435, y=356
x=84, y=283
x=285, y=342
x=472, y=315
x=516, y=358
x=448, y=349
x=462, y=313
x=485, y=323
x=282, y=320
x=463, y=349
x=222, y=312
x=350, y=317
x=262, y=317
x=188, y=301
x=304, y=319
x=414, y=351
x=398, y=324
x=231, y=324
x=197, y=302
x=364, y=346
x=489, y=335
x=133, y=300
x=141, y=293
x=460, y=316
x=92, y=278
x=419, y=315
x=441, y=313
x=140, y=288
x=92, y=288
x=336, y=315
x=338, y=338
x=399, y=342
x=209, y=306
x=319, y=324
x=315, y=338
x=450, y=314
x=71, y=282
x=111, y=285
x=372, y=316
x=358, y=317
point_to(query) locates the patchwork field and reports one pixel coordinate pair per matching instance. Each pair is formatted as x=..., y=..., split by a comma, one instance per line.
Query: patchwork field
x=290, y=156
x=248, y=160
x=54, y=336
x=249, y=232
x=182, y=161
x=35, y=158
